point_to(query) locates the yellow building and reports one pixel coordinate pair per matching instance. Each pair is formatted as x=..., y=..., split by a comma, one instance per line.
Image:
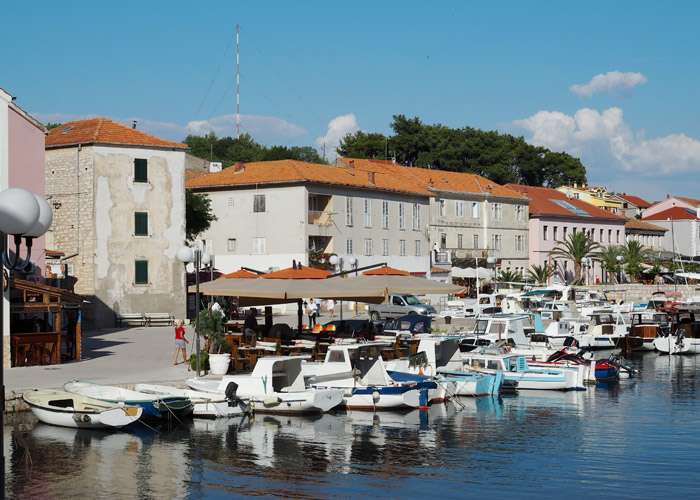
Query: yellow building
x=596, y=196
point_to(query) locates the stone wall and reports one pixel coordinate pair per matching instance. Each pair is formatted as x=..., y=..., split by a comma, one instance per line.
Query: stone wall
x=635, y=293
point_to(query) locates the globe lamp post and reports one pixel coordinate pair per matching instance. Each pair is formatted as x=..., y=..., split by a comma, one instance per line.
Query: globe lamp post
x=198, y=258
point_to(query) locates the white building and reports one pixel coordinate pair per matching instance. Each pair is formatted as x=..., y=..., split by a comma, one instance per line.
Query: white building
x=118, y=196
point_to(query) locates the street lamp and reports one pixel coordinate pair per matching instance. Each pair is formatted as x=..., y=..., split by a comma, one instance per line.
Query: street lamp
x=22, y=214
x=619, y=259
x=353, y=264
x=196, y=256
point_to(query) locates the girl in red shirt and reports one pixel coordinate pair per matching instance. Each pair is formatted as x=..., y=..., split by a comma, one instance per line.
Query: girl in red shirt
x=180, y=341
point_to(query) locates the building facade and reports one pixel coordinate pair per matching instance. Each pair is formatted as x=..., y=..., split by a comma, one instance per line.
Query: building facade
x=118, y=198
x=554, y=216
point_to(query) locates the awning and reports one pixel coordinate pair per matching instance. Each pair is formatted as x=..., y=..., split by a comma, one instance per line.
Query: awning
x=538, y=292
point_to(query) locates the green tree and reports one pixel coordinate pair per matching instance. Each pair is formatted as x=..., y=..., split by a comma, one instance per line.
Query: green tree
x=509, y=277
x=50, y=125
x=634, y=254
x=577, y=247
x=609, y=261
x=198, y=214
x=363, y=145
x=540, y=274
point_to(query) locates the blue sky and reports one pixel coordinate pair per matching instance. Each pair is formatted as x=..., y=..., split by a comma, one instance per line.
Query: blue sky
x=614, y=83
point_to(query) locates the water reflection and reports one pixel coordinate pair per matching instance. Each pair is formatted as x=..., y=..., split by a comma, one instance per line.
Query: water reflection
x=638, y=436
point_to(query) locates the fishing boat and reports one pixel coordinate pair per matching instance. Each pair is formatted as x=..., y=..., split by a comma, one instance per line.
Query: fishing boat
x=440, y=357
x=518, y=373
x=685, y=339
x=276, y=385
x=154, y=406
x=205, y=404
x=645, y=326
x=72, y=410
x=358, y=370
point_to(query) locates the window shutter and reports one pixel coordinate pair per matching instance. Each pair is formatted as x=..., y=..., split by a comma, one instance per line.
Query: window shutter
x=141, y=223
x=141, y=272
x=140, y=170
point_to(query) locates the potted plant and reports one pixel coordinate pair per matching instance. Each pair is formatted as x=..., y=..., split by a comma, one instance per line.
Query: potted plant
x=211, y=326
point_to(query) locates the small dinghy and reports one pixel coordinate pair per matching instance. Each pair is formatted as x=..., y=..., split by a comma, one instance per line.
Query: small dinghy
x=73, y=410
x=206, y=404
x=154, y=406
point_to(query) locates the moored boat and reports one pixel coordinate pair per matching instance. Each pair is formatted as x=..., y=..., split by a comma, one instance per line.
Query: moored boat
x=72, y=410
x=154, y=406
x=205, y=404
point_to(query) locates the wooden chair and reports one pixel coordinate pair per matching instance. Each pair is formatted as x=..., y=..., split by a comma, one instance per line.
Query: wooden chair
x=268, y=347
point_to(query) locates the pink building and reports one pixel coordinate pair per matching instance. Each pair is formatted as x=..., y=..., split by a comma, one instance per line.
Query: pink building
x=22, y=141
x=554, y=216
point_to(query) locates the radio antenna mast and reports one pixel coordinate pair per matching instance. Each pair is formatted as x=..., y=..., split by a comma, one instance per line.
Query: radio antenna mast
x=238, y=92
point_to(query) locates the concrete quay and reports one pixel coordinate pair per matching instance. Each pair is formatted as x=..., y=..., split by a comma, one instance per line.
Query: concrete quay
x=127, y=356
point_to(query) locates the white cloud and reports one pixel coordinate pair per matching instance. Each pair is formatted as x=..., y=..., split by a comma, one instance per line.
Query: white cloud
x=338, y=128
x=612, y=82
x=264, y=129
x=605, y=138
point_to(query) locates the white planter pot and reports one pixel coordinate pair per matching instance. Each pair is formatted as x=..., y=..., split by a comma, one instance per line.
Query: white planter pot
x=219, y=363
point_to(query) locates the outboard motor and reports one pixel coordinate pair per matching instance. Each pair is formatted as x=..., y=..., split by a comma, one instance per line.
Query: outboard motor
x=680, y=334
x=234, y=400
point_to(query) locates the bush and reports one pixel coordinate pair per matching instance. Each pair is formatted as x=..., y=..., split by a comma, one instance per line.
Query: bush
x=203, y=361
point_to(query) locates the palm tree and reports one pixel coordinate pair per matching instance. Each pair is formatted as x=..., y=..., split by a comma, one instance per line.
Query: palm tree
x=576, y=248
x=634, y=254
x=609, y=261
x=540, y=274
x=509, y=277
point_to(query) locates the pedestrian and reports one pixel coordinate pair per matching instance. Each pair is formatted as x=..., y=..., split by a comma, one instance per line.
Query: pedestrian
x=312, y=313
x=180, y=341
x=331, y=307
x=250, y=326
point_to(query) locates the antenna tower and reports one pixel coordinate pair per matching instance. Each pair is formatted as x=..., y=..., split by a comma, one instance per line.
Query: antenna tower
x=238, y=92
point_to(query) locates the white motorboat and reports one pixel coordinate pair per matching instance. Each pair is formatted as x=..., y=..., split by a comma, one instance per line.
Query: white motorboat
x=358, y=370
x=685, y=339
x=440, y=357
x=72, y=410
x=206, y=404
x=276, y=385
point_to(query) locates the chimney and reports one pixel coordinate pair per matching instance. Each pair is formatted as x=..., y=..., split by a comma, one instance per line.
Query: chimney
x=352, y=163
x=238, y=167
x=370, y=177
x=133, y=124
x=668, y=196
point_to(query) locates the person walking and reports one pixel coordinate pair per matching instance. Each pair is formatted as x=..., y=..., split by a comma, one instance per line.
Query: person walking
x=313, y=312
x=180, y=341
x=331, y=307
x=250, y=326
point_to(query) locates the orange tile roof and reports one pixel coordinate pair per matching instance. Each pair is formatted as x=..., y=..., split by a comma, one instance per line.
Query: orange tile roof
x=103, y=131
x=635, y=200
x=674, y=213
x=691, y=201
x=543, y=203
x=378, y=174
x=193, y=174
x=638, y=224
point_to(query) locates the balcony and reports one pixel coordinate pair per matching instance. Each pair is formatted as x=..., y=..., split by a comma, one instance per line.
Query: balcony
x=320, y=218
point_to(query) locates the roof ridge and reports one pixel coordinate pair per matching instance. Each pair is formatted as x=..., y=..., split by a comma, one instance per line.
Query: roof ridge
x=98, y=129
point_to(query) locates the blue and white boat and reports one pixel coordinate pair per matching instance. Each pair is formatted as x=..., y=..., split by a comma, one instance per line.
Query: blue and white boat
x=358, y=369
x=440, y=357
x=154, y=406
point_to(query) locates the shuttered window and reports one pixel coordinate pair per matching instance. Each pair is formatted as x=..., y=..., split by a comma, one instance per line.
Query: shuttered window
x=141, y=272
x=140, y=170
x=141, y=223
x=259, y=203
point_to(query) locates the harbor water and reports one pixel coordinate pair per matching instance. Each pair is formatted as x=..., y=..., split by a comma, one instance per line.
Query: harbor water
x=639, y=438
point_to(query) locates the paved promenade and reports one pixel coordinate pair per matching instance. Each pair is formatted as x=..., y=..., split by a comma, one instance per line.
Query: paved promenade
x=120, y=356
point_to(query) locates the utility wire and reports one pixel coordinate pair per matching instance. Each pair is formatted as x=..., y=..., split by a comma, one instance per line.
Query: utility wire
x=284, y=80
x=215, y=75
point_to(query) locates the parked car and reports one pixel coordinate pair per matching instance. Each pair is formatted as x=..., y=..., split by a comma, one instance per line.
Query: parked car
x=400, y=304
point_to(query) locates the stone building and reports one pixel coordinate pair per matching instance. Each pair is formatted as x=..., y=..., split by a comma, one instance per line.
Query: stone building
x=118, y=197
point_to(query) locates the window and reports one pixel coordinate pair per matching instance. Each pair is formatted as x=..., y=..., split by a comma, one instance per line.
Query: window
x=496, y=211
x=259, y=246
x=368, y=246
x=402, y=216
x=230, y=201
x=402, y=247
x=140, y=223
x=609, y=235
x=555, y=236
x=574, y=230
x=617, y=238
x=418, y=247
x=349, y=248
x=601, y=236
x=519, y=213
x=368, y=212
x=443, y=240
x=459, y=208
x=385, y=247
x=520, y=242
x=385, y=215
x=259, y=203
x=475, y=209
x=443, y=207
x=232, y=244
x=564, y=230
x=496, y=241
x=140, y=170
x=459, y=241
x=348, y=211
x=544, y=233
x=416, y=217
x=141, y=272
x=476, y=242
